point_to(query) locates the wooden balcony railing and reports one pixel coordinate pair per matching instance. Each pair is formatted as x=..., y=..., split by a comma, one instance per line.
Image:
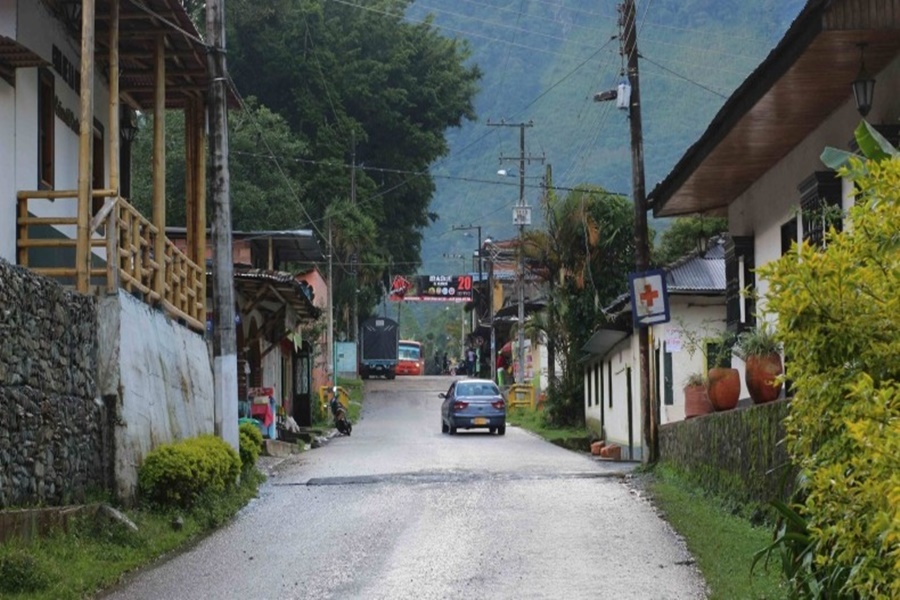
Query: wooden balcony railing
x=129, y=242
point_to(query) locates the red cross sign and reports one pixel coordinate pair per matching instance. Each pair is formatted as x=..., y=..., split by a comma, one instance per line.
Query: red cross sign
x=649, y=297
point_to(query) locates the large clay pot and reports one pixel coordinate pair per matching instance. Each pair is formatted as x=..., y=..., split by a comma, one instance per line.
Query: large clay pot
x=696, y=401
x=761, y=372
x=724, y=387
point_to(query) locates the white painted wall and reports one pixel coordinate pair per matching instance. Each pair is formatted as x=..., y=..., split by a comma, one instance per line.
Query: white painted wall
x=33, y=26
x=7, y=169
x=160, y=375
x=694, y=313
x=773, y=199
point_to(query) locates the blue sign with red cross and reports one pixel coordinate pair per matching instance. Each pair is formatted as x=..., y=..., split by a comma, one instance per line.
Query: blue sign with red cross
x=649, y=297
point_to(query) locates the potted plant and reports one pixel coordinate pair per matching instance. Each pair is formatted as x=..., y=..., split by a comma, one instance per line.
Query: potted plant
x=723, y=381
x=696, y=396
x=761, y=353
x=696, y=399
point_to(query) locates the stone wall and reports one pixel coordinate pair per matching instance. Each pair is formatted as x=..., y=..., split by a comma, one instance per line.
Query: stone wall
x=738, y=454
x=52, y=448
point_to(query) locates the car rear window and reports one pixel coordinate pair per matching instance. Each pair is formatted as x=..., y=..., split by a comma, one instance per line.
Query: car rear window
x=477, y=389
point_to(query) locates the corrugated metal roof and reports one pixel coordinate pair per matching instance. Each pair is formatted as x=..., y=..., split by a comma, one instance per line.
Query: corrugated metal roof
x=699, y=273
x=693, y=274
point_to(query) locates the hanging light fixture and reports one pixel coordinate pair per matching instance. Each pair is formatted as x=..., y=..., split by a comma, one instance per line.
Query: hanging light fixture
x=864, y=84
x=72, y=13
x=128, y=128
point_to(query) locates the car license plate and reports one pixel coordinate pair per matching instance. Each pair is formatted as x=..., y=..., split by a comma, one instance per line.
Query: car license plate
x=479, y=421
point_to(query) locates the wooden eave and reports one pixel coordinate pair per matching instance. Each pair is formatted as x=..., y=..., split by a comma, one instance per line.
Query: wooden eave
x=140, y=24
x=14, y=55
x=802, y=81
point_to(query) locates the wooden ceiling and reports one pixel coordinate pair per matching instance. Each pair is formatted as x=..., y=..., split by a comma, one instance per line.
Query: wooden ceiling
x=141, y=22
x=805, y=78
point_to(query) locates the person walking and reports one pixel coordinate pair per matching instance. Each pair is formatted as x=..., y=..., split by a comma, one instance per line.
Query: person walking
x=470, y=361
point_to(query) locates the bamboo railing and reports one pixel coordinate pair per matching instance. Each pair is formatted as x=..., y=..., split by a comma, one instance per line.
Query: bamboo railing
x=129, y=240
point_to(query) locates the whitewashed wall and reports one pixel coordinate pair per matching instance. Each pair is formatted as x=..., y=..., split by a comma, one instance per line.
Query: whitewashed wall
x=159, y=373
x=774, y=198
x=31, y=24
x=7, y=169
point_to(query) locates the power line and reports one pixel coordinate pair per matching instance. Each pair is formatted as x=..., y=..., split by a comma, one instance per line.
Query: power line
x=684, y=77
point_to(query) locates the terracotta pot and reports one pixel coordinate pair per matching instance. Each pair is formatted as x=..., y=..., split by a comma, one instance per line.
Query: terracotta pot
x=760, y=373
x=696, y=401
x=724, y=387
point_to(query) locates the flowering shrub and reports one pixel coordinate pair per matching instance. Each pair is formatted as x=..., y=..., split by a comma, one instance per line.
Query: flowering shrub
x=178, y=474
x=838, y=314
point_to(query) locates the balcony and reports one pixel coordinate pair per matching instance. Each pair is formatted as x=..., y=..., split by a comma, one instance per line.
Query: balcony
x=123, y=251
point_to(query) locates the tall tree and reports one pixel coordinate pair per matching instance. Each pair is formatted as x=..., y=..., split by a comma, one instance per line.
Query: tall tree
x=587, y=250
x=358, y=77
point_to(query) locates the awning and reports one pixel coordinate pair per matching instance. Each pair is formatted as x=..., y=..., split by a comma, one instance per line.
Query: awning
x=269, y=291
x=603, y=341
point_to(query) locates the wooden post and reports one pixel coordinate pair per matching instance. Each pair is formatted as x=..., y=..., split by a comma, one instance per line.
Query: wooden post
x=114, y=104
x=190, y=189
x=200, y=215
x=112, y=226
x=85, y=150
x=159, y=168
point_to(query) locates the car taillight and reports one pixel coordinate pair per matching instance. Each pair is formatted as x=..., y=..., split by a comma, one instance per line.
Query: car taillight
x=460, y=405
x=499, y=404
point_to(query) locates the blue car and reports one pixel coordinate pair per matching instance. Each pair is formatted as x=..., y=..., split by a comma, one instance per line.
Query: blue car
x=473, y=404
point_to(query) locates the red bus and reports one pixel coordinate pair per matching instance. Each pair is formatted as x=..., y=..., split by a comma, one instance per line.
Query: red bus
x=410, y=358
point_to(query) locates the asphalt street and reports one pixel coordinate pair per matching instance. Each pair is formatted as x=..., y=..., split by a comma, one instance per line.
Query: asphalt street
x=400, y=510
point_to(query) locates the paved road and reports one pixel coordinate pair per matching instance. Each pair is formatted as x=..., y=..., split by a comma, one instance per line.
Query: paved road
x=400, y=510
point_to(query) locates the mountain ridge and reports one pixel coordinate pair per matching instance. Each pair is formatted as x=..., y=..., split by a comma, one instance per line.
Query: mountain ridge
x=543, y=60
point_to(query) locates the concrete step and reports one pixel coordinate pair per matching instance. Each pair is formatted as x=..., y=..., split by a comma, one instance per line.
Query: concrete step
x=278, y=448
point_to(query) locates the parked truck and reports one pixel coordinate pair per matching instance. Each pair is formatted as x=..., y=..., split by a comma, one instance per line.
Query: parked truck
x=379, y=339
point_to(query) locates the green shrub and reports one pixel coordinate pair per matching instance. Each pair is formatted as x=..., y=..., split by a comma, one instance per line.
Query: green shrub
x=21, y=573
x=251, y=441
x=839, y=319
x=177, y=474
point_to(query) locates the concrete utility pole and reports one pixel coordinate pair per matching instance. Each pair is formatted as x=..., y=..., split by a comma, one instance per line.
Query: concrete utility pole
x=641, y=244
x=224, y=342
x=522, y=217
x=330, y=336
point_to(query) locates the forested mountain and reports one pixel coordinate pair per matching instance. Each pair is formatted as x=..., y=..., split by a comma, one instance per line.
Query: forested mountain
x=543, y=60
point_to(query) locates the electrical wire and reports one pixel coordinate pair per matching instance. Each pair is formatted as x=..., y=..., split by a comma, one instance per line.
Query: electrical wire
x=683, y=77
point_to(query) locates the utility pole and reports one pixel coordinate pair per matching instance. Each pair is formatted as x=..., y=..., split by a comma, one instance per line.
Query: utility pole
x=330, y=336
x=224, y=342
x=354, y=258
x=521, y=217
x=641, y=243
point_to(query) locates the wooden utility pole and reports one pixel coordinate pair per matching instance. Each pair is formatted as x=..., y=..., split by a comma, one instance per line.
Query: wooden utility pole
x=641, y=243
x=224, y=343
x=330, y=335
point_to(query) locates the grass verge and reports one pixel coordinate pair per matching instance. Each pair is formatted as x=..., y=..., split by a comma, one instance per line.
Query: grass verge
x=91, y=555
x=574, y=438
x=722, y=543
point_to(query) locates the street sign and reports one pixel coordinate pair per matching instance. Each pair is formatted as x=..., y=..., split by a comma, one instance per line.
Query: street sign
x=649, y=297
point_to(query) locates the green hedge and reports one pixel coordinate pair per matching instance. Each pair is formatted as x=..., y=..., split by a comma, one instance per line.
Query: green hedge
x=178, y=474
x=251, y=440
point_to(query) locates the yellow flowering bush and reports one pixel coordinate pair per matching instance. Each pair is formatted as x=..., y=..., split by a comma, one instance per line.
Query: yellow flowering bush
x=838, y=311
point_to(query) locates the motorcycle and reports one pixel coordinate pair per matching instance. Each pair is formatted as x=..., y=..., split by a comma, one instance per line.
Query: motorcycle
x=341, y=421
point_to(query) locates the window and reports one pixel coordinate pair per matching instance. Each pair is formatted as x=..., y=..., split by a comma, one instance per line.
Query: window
x=609, y=381
x=788, y=235
x=820, y=206
x=739, y=266
x=46, y=124
x=588, y=394
x=669, y=391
